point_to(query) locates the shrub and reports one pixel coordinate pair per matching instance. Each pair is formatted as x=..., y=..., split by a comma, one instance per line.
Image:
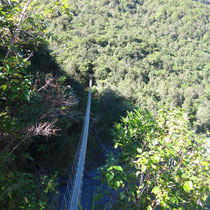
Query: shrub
x=160, y=163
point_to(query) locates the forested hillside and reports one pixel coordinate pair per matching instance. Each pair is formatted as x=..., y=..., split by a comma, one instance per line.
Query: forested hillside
x=37, y=109
x=153, y=53
x=150, y=56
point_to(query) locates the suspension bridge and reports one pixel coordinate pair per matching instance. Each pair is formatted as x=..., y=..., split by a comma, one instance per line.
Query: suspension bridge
x=71, y=197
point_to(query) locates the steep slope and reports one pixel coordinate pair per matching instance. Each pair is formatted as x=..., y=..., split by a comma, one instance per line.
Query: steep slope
x=154, y=53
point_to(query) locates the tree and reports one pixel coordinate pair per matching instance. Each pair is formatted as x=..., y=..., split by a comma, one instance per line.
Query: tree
x=160, y=162
x=136, y=47
x=30, y=106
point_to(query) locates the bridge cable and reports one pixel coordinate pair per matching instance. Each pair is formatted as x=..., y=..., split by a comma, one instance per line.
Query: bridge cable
x=73, y=189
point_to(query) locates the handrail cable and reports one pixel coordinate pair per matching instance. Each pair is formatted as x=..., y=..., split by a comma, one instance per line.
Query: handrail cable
x=72, y=193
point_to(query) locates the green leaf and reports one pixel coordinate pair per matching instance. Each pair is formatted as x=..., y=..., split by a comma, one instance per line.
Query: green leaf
x=156, y=158
x=117, y=183
x=116, y=145
x=2, y=75
x=188, y=186
x=3, y=87
x=143, y=168
x=119, y=168
x=122, y=195
x=109, y=177
x=149, y=207
x=139, y=150
x=18, y=75
x=175, y=200
x=156, y=190
x=153, y=166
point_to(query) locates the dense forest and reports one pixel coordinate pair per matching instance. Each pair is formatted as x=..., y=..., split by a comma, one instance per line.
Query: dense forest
x=153, y=53
x=37, y=108
x=150, y=60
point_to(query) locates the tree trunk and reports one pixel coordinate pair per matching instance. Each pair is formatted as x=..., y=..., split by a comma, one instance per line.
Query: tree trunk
x=17, y=30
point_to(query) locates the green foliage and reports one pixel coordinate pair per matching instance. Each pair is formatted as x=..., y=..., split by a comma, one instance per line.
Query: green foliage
x=160, y=163
x=150, y=53
x=15, y=83
x=19, y=189
x=153, y=53
x=30, y=105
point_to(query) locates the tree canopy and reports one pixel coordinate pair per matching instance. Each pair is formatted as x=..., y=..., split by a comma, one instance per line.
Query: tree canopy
x=160, y=163
x=34, y=106
x=153, y=53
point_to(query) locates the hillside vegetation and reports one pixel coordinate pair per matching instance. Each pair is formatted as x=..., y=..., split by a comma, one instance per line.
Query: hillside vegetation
x=160, y=163
x=37, y=110
x=153, y=53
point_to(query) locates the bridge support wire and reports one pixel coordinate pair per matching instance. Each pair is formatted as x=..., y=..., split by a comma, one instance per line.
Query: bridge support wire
x=72, y=193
